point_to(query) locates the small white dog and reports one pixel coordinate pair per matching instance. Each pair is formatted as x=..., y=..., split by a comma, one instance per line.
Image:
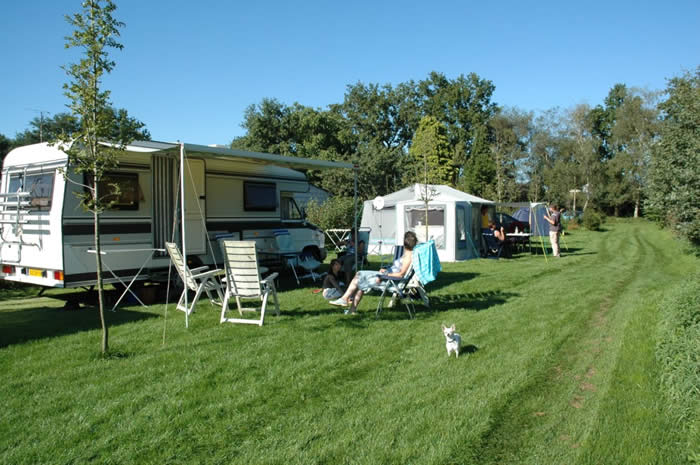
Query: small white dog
x=453, y=340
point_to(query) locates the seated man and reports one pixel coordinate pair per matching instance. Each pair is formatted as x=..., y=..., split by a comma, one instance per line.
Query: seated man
x=347, y=257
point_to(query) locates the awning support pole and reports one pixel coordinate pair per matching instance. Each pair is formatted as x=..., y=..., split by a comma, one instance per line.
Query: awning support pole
x=182, y=222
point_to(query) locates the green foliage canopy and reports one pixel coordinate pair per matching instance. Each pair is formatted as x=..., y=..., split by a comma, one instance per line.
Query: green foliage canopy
x=674, y=183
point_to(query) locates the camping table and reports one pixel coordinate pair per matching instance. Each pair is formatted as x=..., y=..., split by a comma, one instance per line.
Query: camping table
x=520, y=238
x=128, y=287
x=338, y=237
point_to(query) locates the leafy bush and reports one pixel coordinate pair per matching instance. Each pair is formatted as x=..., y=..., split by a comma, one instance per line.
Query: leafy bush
x=571, y=225
x=678, y=352
x=336, y=212
x=592, y=220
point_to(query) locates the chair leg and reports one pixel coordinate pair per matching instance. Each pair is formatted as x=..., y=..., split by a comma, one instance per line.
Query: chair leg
x=224, y=305
x=380, y=306
x=180, y=303
x=274, y=297
x=193, y=304
x=262, y=309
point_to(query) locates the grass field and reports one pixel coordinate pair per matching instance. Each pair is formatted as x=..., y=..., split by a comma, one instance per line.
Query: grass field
x=559, y=366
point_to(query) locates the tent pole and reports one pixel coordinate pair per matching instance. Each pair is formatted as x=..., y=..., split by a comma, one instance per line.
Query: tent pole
x=182, y=222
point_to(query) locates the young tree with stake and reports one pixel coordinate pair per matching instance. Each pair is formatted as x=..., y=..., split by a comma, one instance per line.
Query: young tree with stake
x=95, y=31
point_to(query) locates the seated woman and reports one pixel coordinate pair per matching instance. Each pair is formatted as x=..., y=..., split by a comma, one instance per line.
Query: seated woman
x=332, y=287
x=499, y=234
x=366, y=280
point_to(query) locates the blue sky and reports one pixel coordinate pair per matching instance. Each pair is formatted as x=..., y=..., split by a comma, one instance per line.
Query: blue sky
x=189, y=69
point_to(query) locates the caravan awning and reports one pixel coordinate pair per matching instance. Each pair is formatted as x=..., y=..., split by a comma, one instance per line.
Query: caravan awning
x=223, y=153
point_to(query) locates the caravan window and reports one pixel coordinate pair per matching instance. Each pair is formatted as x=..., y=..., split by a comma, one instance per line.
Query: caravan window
x=259, y=196
x=127, y=194
x=416, y=220
x=39, y=186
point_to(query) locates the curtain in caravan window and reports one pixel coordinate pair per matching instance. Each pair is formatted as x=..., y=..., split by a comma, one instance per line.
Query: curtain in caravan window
x=38, y=185
x=416, y=219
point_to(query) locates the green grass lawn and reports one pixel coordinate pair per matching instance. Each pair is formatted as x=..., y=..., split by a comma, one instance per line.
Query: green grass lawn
x=558, y=367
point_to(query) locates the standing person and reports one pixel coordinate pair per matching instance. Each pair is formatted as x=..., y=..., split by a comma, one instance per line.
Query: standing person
x=554, y=220
x=366, y=280
x=485, y=218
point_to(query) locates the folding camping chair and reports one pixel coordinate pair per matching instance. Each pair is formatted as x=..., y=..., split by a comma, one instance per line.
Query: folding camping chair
x=410, y=288
x=243, y=280
x=199, y=280
x=293, y=258
x=494, y=247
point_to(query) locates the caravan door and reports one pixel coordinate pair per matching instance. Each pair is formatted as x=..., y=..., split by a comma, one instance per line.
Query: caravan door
x=195, y=206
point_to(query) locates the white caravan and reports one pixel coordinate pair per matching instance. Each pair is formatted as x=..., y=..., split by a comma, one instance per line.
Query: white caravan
x=46, y=237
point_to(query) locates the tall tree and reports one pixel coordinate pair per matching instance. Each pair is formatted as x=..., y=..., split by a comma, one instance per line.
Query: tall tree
x=634, y=133
x=5, y=147
x=674, y=183
x=509, y=140
x=544, y=149
x=95, y=31
x=64, y=125
x=464, y=106
x=431, y=161
x=585, y=155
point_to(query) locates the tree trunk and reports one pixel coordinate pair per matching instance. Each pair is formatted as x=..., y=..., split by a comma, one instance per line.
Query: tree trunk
x=100, y=293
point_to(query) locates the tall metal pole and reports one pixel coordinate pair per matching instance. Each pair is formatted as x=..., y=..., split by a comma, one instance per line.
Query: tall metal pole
x=182, y=224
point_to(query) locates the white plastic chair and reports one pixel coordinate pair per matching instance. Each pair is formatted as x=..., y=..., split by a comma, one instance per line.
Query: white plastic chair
x=199, y=280
x=243, y=281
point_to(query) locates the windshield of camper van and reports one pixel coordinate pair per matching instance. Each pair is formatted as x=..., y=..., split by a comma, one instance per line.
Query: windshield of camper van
x=289, y=209
x=39, y=186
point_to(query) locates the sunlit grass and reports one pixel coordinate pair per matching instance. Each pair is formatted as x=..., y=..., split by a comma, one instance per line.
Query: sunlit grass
x=557, y=367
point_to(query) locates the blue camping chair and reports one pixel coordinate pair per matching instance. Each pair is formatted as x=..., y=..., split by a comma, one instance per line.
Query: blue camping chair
x=410, y=289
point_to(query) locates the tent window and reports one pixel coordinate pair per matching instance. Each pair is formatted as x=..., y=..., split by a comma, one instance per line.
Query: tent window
x=416, y=220
x=39, y=186
x=259, y=196
x=461, y=229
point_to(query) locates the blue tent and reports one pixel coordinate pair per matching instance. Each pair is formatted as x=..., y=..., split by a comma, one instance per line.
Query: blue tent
x=534, y=215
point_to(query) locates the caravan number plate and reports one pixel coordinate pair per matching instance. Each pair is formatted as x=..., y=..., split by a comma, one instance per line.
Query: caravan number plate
x=35, y=272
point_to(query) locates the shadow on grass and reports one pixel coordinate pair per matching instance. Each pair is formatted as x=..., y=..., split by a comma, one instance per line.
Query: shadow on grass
x=473, y=301
x=43, y=322
x=468, y=349
x=447, y=278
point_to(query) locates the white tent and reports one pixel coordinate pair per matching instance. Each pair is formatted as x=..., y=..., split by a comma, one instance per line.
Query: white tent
x=453, y=220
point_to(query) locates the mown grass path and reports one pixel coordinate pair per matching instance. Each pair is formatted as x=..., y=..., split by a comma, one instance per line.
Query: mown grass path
x=558, y=367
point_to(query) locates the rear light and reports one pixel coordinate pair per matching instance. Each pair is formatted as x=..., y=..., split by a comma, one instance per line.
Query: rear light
x=7, y=269
x=58, y=275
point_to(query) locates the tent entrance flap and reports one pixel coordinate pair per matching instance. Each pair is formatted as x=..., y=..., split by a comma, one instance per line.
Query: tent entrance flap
x=428, y=225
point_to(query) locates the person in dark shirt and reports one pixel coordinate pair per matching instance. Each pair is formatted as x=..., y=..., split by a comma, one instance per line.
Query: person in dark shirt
x=554, y=220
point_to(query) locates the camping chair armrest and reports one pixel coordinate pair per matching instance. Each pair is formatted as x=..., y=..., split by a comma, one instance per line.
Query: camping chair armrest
x=199, y=269
x=386, y=277
x=270, y=278
x=208, y=273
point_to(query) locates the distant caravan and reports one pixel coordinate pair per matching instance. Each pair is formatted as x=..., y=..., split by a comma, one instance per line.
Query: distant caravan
x=46, y=236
